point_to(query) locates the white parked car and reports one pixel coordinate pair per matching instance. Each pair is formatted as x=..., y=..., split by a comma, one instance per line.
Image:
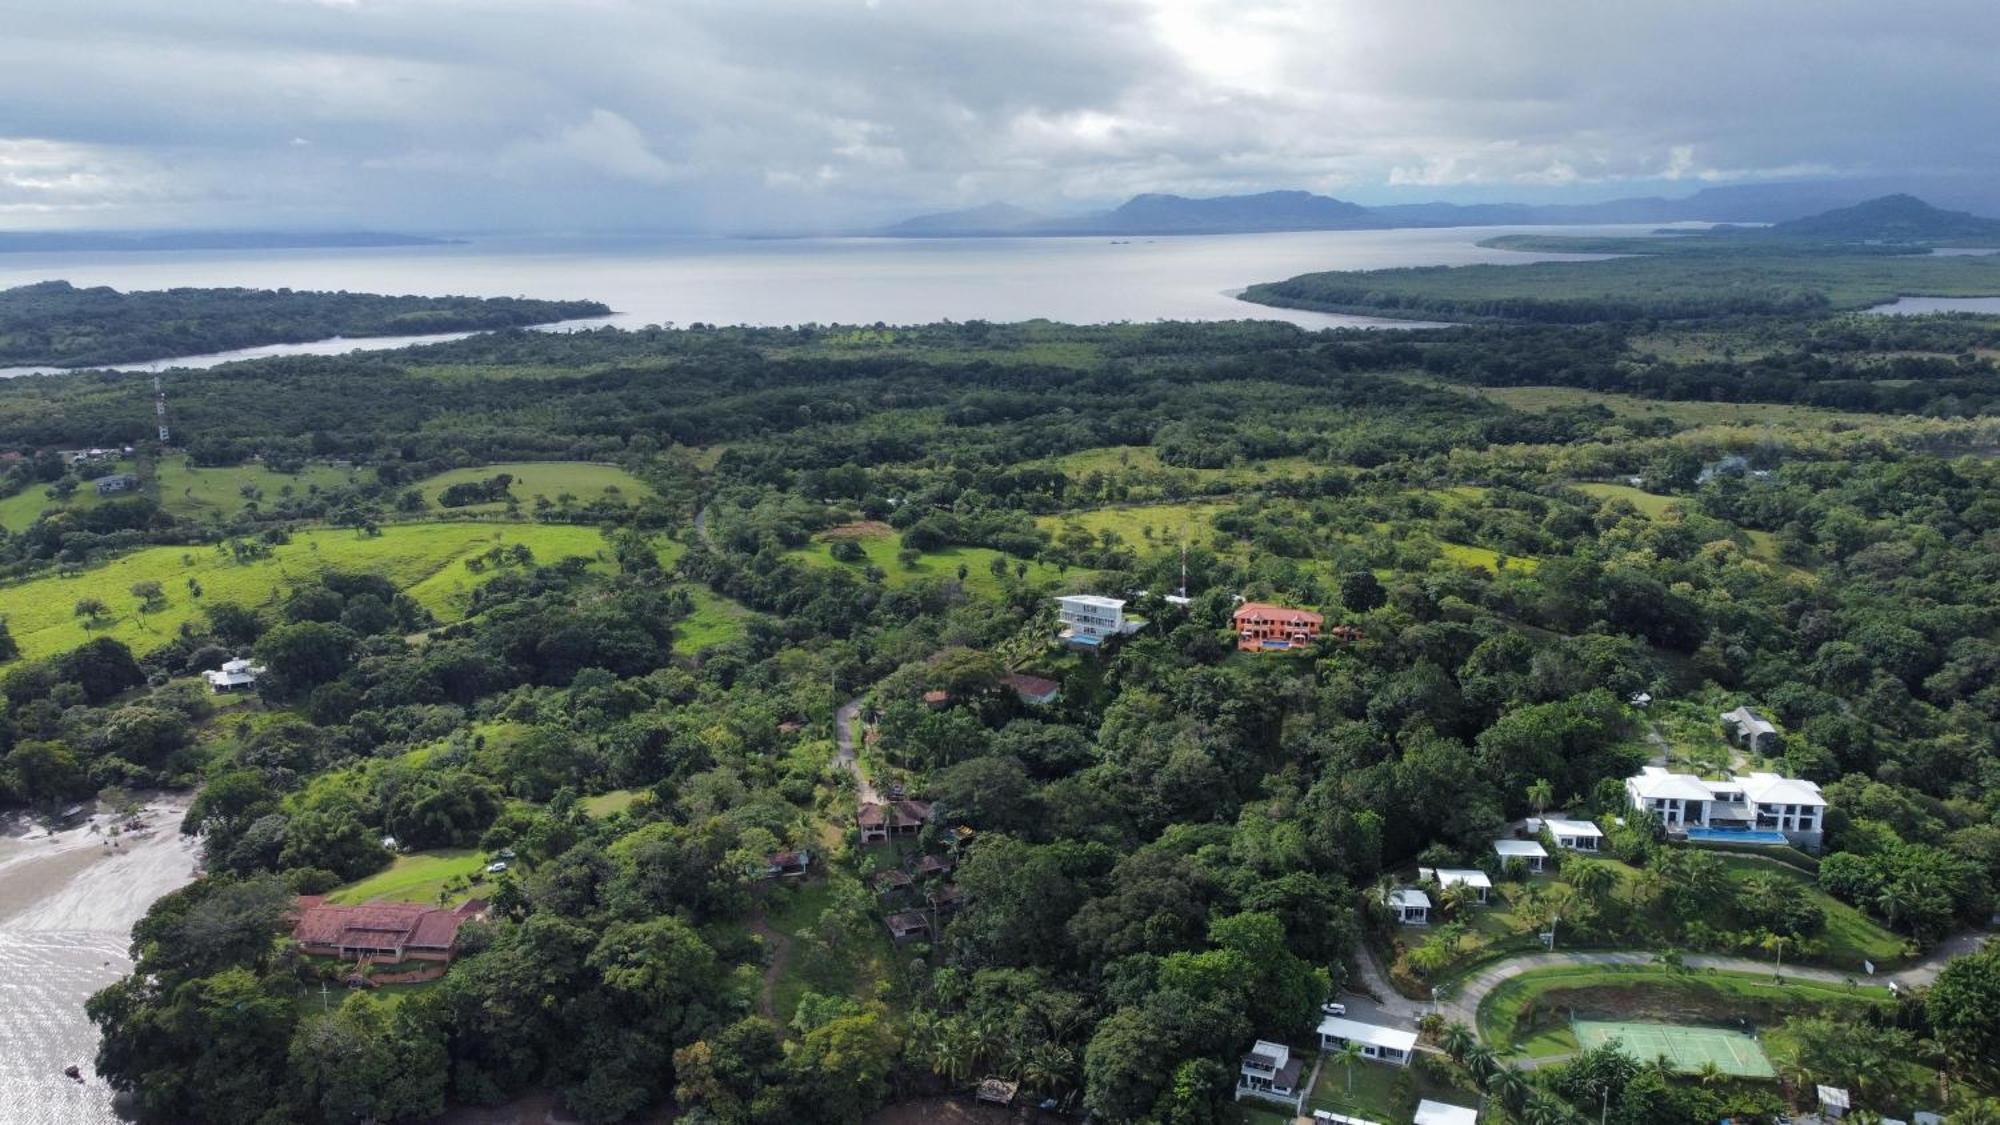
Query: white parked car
x=496, y=867
x=1333, y=1008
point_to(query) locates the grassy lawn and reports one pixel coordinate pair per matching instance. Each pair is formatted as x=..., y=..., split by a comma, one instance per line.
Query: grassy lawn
x=419, y=877
x=586, y=481
x=880, y=550
x=1850, y=935
x=21, y=509
x=189, y=491
x=793, y=909
x=1535, y=1007
x=1649, y=504
x=1250, y=1111
x=715, y=620
x=616, y=801
x=1381, y=1092
x=1169, y=523
x=1112, y=460
x=423, y=559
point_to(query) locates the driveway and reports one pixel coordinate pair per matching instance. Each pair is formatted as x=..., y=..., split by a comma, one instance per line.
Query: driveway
x=845, y=719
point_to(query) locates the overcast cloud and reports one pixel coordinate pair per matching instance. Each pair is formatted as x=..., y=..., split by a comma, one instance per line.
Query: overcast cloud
x=757, y=114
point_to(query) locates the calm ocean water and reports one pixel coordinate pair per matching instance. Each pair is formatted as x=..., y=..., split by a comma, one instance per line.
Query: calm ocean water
x=817, y=280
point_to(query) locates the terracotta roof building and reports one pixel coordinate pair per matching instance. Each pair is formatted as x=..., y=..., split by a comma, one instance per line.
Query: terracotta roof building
x=382, y=931
x=897, y=818
x=1261, y=627
x=1034, y=690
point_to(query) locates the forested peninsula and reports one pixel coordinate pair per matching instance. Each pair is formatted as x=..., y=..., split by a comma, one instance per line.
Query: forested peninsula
x=56, y=324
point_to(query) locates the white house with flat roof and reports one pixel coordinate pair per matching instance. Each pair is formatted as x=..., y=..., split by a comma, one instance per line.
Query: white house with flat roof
x=1753, y=802
x=1573, y=835
x=234, y=675
x=1411, y=906
x=1088, y=619
x=1270, y=1071
x=1383, y=1044
x=1531, y=853
x=1449, y=877
x=1444, y=1113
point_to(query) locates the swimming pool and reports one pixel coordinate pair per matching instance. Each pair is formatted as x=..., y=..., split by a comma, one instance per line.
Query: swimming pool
x=1735, y=835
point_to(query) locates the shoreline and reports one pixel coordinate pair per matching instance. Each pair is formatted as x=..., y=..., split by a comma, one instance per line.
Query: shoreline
x=68, y=901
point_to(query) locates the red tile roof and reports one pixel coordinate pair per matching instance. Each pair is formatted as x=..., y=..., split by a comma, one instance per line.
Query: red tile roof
x=1032, y=686
x=1283, y=614
x=408, y=925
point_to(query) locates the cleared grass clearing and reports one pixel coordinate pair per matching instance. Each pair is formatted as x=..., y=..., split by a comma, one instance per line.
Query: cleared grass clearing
x=423, y=559
x=616, y=801
x=186, y=490
x=1114, y=459
x=880, y=550
x=19, y=510
x=715, y=620
x=420, y=877
x=1168, y=523
x=1649, y=504
x=587, y=481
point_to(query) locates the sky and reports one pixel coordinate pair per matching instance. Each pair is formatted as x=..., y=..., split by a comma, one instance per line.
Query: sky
x=758, y=115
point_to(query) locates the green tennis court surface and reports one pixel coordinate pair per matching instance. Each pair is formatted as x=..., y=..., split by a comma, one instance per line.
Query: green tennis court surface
x=1687, y=1048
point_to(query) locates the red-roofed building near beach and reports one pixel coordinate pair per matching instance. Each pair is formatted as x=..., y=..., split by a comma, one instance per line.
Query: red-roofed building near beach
x=1273, y=628
x=384, y=932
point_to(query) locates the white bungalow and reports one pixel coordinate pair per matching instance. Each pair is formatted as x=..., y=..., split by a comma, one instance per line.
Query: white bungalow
x=1529, y=852
x=1270, y=1071
x=1382, y=1044
x=1444, y=1113
x=234, y=675
x=1411, y=906
x=1449, y=877
x=1574, y=835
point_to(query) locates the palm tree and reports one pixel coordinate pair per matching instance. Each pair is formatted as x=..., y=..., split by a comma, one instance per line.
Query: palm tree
x=1893, y=900
x=1544, y=1110
x=1776, y=944
x=1349, y=1054
x=1708, y=1074
x=1510, y=1085
x=1541, y=795
x=1456, y=1039
x=1591, y=879
x=1481, y=1062
x=1046, y=1067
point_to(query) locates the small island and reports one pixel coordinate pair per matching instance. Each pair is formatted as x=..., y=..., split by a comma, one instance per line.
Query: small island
x=56, y=324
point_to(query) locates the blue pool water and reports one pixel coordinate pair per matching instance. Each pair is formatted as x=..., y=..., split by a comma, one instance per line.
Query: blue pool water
x=1735, y=836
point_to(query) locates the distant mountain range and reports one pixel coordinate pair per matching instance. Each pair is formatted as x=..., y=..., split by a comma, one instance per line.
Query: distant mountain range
x=64, y=241
x=1300, y=211
x=1892, y=218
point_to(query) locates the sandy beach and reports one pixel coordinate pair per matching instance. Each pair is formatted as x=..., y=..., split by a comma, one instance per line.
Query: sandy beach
x=67, y=904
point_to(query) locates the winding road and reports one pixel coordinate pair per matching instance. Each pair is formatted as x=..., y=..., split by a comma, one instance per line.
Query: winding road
x=1462, y=1005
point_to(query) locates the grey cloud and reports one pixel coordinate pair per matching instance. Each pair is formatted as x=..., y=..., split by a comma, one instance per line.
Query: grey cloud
x=469, y=114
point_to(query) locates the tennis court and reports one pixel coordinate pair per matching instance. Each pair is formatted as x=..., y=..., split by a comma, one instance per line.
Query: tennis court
x=1687, y=1048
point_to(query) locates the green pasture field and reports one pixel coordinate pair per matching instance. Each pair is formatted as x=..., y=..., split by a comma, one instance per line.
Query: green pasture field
x=881, y=549
x=423, y=559
x=715, y=620
x=587, y=481
x=1687, y=1048
x=419, y=877
x=186, y=490
x=1649, y=503
x=1192, y=523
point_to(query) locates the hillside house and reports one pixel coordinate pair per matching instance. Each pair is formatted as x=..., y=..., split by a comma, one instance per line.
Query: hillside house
x=1750, y=804
x=234, y=675
x=1751, y=731
x=1088, y=620
x=1530, y=852
x=1261, y=627
x=1571, y=835
x=908, y=925
x=115, y=483
x=902, y=817
x=1382, y=1044
x=384, y=932
x=1449, y=877
x=1033, y=690
x=1271, y=1071
x=787, y=865
x=1411, y=906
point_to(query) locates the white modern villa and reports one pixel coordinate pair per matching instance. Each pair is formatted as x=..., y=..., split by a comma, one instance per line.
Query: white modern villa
x=1747, y=808
x=1088, y=619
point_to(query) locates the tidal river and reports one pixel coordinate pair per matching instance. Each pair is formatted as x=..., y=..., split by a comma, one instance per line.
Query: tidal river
x=67, y=904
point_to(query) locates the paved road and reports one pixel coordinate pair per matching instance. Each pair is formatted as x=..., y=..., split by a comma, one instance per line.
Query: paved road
x=1463, y=1004
x=845, y=719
